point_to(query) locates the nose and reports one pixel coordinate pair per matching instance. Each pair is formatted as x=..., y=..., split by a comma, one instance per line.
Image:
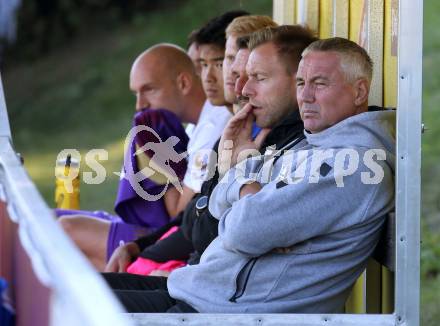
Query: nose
x=306, y=94
x=248, y=89
x=210, y=74
x=239, y=85
x=141, y=102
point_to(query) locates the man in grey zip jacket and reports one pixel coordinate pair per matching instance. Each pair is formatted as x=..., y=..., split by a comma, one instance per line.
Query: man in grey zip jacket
x=295, y=235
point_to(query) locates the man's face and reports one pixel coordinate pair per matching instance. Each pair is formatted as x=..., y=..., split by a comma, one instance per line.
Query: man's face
x=154, y=87
x=271, y=90
x=194, y=54
x=229, y=79
x=211, y=59
x=324, y=96
x=239, y=72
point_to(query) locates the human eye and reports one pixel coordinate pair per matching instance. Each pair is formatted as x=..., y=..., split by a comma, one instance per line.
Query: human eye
x=147, y=89
x=251, y=76
x=219, y=65
x=230, y=58
x=320, y=83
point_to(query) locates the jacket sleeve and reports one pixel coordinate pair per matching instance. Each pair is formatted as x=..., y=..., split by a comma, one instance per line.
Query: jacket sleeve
x=282, y=215
x=227, y=191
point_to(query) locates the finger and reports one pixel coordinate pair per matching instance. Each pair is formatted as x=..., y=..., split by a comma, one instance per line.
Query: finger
x=246, y=116
x=261, y=137
x=247, y=108
x=241, y=116
x=236, y=124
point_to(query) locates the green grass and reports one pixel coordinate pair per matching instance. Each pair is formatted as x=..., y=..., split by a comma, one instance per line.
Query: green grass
x=430, y=280
x=431, y=100
x=78, y=97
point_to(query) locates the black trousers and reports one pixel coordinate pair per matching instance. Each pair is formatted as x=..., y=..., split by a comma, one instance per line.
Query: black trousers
x=144, y=293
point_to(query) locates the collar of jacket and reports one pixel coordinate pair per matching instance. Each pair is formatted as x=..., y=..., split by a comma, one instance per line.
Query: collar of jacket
x=287, y=129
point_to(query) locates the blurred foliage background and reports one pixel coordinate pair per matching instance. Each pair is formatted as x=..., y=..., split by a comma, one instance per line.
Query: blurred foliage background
x=66, y=86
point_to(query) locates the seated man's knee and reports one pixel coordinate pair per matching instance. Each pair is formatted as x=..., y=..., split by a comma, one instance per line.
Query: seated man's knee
x=66, y=223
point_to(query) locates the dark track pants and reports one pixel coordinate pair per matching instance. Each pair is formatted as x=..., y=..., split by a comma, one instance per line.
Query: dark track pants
x=144, y=293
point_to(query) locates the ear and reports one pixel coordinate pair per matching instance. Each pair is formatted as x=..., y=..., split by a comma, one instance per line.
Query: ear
x=361, y=89
x=184, y=83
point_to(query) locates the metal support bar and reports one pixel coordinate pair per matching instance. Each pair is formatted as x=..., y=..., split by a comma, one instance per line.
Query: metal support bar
x=262, y=319
x=409, y=104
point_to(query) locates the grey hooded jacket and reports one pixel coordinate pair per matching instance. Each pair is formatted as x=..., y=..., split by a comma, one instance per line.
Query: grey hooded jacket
x=299, y=244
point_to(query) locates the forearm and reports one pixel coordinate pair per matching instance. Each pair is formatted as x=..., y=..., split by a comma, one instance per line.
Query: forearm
x=175, y=202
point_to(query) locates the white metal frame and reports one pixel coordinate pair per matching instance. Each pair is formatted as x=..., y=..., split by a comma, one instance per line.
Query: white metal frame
x=79, y=295
x=408, y=182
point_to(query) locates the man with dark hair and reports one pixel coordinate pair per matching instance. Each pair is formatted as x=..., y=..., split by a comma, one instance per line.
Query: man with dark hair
x=211, y=41
x=211, y=44
x=214, y=32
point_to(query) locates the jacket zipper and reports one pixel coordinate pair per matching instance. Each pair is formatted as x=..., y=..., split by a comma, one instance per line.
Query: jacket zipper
x=244, y=273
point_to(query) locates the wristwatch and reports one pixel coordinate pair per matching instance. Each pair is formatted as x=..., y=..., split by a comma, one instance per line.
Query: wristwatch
x=201, y=205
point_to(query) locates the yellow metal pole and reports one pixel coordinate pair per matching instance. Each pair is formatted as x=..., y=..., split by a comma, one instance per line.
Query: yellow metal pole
x=325, y=18
x=387, y=295
x=356, y=301
x=356, y=8
x=373, y=288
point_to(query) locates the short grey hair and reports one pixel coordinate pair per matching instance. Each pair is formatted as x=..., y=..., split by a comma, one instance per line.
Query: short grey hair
x=354, y=60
